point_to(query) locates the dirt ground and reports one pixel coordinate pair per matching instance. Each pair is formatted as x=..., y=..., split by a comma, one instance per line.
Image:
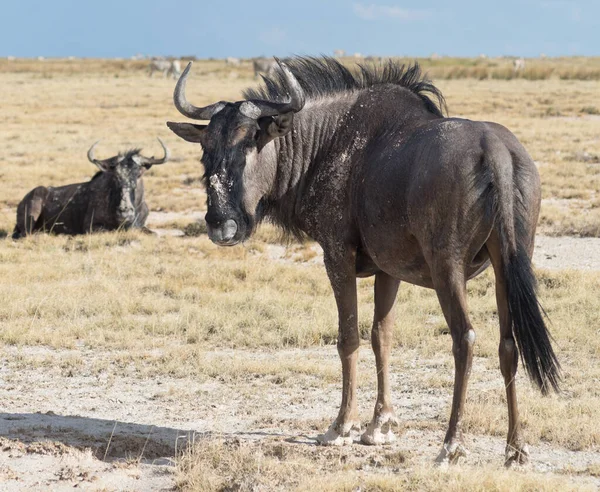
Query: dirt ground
x=100, y=432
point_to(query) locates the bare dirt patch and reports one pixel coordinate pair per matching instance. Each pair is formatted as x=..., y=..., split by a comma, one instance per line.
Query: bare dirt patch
x=565, y=252
x=121, y=431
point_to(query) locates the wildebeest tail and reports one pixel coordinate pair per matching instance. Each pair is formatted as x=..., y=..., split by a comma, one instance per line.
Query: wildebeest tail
x=527, y=315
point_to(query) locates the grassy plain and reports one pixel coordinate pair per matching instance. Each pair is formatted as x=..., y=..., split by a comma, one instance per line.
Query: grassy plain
x=163, y=305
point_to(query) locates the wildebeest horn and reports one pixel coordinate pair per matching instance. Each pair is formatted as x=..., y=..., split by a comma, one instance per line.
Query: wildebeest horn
x=267, y=108
x=98, y=162
x=189, y=110
x=152, y=161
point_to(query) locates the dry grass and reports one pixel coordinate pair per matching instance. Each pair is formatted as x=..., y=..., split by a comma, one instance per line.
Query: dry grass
x=132, y=293
x=170, y=306
x=501, y=68
x=225, y=464
x=51, y=120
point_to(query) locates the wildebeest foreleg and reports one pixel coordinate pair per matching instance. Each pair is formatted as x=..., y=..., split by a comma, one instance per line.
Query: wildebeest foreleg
x=141, y=216
x=450, y=287
x=342, y=275
x=379, y=430
x=517, y=451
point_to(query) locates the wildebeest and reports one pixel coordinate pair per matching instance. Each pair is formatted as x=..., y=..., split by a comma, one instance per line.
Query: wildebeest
x=518, y=65
x=263, y=65
x=231, y=60
x=366, y=164
x=112, y=199
x=166, y=67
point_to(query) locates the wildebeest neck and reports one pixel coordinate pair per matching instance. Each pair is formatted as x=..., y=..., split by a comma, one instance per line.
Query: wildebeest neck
x=293, y=157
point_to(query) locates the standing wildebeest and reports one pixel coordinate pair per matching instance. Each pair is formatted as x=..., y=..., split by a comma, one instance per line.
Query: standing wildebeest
x=367, y=165
x=264, y=65
x=112, y=199
x=166, y=67
x=518, y=65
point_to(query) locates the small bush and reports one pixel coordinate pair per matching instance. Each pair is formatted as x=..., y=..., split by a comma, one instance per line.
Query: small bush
x=195, y=229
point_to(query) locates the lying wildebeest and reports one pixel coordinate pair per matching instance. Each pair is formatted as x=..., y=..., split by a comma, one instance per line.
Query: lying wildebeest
x=112, y=199
x=166, y=67
x=263, y=65
x=368, y=166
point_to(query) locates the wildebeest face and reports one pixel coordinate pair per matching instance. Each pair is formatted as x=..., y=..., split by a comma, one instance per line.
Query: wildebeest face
x=126, y=169
x=235, y=135
x=231, y=143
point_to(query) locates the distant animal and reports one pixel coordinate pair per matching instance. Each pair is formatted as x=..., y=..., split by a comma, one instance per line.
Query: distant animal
x=112, y=199
x=519, y=65
x=166, y=67
x=264, y=65
x=339, y=53
x=230, y=60
x=367, y=165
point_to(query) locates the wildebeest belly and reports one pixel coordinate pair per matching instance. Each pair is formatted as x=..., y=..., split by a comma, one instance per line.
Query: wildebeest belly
x=409, y=265
x=64, y=211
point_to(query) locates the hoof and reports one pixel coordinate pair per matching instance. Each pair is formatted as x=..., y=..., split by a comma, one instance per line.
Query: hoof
x=516, y=455
x=379, y=431
x=338, y=435
x=451, y=454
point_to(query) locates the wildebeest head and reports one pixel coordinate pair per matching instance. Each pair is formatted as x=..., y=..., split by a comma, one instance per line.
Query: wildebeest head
x=127, y=169
x=231, y=141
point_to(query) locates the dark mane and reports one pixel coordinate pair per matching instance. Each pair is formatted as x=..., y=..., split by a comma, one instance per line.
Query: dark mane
x=130, y=153
x=320, y=77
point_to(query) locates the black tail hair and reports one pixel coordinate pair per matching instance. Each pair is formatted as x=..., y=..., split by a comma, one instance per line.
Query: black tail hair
x=529, y=329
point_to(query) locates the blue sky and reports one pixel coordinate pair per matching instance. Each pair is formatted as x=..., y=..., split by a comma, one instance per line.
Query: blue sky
x=220, y=28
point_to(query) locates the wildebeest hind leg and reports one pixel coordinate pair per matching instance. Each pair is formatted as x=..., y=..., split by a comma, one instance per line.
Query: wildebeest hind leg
x=29, y=211
x=517, y=451
x=341, y=272
x=379, y=431
x=450, y=287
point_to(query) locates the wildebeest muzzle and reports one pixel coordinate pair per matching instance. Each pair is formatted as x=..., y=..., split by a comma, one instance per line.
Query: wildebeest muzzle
x=224, y=233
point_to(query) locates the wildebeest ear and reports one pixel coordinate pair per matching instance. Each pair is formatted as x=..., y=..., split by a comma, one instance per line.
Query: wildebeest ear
x=187, y=131
x=277, y=126
x=106, y=165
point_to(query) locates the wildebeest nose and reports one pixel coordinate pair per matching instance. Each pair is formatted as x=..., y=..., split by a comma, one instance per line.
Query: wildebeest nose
x=223, y=232
x=229, y=229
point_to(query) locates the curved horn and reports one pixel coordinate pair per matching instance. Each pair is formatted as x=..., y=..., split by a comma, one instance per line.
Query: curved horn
x=101, y=163
x=152, y=161
x=294, y=103
x=90, y=153
x=188, y=109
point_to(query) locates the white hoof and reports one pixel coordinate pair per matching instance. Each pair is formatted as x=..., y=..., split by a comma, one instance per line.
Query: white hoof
x=379, y=431
x=451, y=454
x=339, y=437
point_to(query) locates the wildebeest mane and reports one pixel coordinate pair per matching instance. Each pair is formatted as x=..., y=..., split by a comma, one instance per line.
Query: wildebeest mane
x=322, y=77
x=131, y=152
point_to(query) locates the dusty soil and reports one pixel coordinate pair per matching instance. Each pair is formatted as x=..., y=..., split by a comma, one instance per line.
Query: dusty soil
x=560, y=253
x=117, y=430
